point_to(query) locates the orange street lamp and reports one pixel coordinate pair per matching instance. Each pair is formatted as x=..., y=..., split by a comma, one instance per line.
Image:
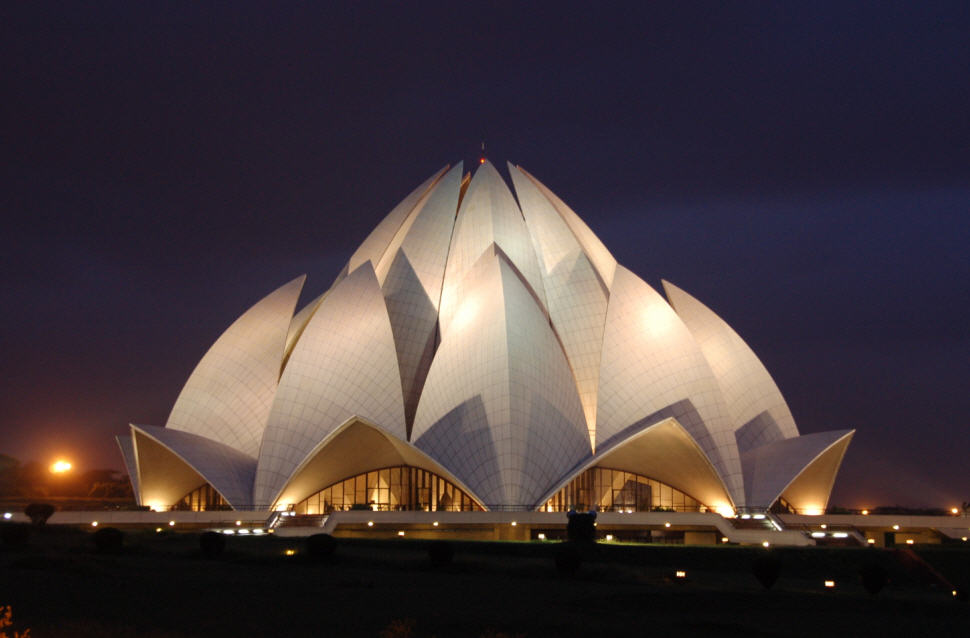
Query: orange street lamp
x=61, y=466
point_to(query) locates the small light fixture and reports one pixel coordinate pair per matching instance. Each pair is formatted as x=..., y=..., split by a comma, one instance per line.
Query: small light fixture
x=910, y=541
x=745, y=516
x=666, y=524
x=871, y=541
x=840, y=534
x=725, y=539
x=758, y=517
x=435, y=523
x=765, y=544
x=244, y=531
x=290, y=552
x=865, y=512
x=609, y=537
x=401, y=533
x=954, y=510
x=818, y=534
x=514, y=523
x=830, y=584
x=7, y=515
x=896, y=527
x=541, y=536
x=964, y=539
x=824, y=526
x=238, y=523
x=94, y=523
x=171, y=523
x=370, y=523
x=680, y=574
x=954, y=592
x=226, y=531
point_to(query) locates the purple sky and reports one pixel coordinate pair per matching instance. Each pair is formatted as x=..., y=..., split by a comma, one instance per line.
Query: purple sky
x=803, y=171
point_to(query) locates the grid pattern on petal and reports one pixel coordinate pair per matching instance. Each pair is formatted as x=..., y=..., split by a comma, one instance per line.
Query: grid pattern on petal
x=650, y=361
x=500, y=408
x=575, y=295
x=345, y=364
x=411, y=282
x=747, y=386
x=488, y=215
x=226, y=469
x=228, y=396
x=376, y=243
x=598, y=254
x=770, y=468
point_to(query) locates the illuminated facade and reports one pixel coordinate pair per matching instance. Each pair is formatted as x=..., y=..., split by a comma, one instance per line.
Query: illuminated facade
x=481, y=351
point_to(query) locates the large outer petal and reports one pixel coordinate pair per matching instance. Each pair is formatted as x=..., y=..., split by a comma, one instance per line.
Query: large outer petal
x=500, y=408
x=650, y=362
x=576, y=297
x=411, y=273
x=344, y=365
x=488, y=215
x=172, y=463
x=228, y=396
x=803, y=468
x=747, y=387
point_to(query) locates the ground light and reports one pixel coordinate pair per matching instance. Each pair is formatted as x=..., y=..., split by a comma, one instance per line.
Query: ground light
x=609, y=537
x=401, y=533
x=680, y=574
x=954, y=511
x=94, y=523
x=290, y=552
x=765, y=544
x=830, y=584
x=370, y=523
x=865, y=512
x=542, y=536
x=871, y=541
x=7, y=515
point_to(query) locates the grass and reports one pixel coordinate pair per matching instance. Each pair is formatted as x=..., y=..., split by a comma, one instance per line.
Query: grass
x=160, y=586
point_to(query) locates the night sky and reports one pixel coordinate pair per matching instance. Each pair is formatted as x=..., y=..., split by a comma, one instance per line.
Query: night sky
x=802, y=170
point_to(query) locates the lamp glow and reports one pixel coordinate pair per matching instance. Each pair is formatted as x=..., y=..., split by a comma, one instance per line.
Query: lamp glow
x=60, y=466
x=830, y=584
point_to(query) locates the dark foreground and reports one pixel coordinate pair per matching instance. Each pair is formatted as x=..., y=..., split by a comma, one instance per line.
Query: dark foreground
x=161, y=586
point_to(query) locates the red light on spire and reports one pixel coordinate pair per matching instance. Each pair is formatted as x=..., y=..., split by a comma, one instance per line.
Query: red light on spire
x=481, y=160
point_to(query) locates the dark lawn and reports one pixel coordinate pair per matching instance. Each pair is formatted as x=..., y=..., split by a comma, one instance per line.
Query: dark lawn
x=161, y=586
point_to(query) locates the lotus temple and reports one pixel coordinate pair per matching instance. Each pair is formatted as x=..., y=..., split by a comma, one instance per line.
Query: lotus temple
x=482, y=356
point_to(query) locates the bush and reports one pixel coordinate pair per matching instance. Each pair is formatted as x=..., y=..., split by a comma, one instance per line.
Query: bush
x=109, y=540
x=212, y=544
x=874, y=577
x=440, y=553
x=320, y=546
x=581, y=527
x=14, y=534
x=39, y=512
x=766, y=568
x=568, y=559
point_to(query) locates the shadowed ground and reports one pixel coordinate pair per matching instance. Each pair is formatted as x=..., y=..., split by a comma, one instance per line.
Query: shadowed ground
x=159, y=585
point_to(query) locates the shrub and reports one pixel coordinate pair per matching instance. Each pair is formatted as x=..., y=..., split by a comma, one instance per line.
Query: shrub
x=108, y=540
x=568, y=559
x=320, y=546
x=440, y=553
x=39, y=512
x=212, y=544
x=874, y=577
x=581, y=527
x=14, y=534
x=766, y=568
